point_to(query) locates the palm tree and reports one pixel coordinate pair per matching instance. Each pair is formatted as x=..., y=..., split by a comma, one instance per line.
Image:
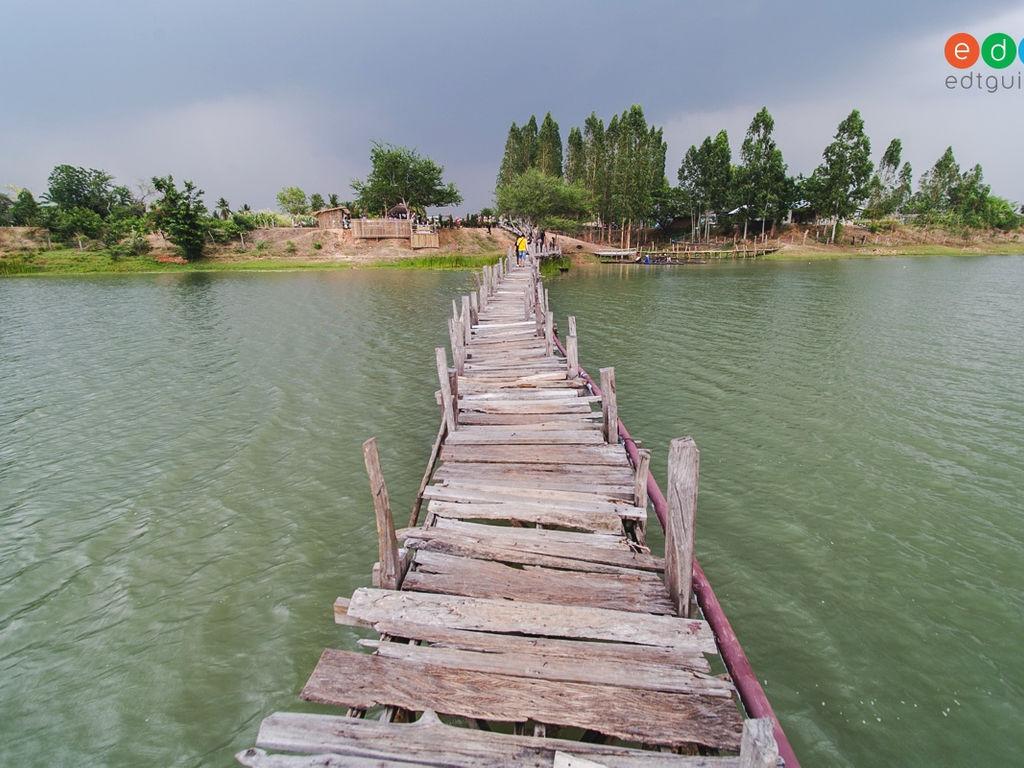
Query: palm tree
x=223, y=208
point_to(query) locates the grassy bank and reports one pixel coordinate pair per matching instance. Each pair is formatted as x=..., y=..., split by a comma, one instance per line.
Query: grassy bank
x=798, y=253
x=71, y=261
x=441, y=261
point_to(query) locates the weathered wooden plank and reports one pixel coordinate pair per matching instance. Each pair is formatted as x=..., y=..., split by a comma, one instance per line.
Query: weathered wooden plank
x=466, y=489
x=651, y=717
x=447, y=402
x=610, y=455
x=609, y=405
x=494, y=551
x=434, y=743
x=527, y=437
x=615, y=540
x=581, y=472
x=542, y=480
x=531, y=541
x=487, y=642
x=373, y=605
x=757, y=745
x=538, y=666
x=390, y=570
x=570, y=395
x=634, y=591
x=595, y=522
x=524, y=405
x=504, y=419
x=683, y=472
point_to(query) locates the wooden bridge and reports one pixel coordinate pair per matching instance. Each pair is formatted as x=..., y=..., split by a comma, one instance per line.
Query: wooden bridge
x=521, y=617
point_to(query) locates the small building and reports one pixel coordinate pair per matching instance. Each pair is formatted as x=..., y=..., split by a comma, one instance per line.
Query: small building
x=333, y=218
x=399, y=211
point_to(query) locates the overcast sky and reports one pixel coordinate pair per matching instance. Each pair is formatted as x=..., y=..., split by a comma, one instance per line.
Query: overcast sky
x=247, y=97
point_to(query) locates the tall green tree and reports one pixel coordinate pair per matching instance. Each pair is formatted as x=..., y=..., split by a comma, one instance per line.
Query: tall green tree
x=938, y=190
x=549, y=147
x=223, y=208
x=575, y=157
x=5, y=210
x=692, y=195
x=890, y=186
x=293, y=200
x=761, y=181
x=182, y=216
x=840, y=184
x=316, y=202
x=333, y=201
x=25, y=211
x=536, y=196
x=402, y=175
x=511, y=165
x=70, y=187
x=529, y=143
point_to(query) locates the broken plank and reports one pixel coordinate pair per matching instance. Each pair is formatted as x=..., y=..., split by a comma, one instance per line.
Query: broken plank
x=634, y=591
x=435, y=743
x=488, y=642
x=538, y=666
x=610, y=455
x=372, y=605
x=531, y=541
x=595, y=522
x=359, y=680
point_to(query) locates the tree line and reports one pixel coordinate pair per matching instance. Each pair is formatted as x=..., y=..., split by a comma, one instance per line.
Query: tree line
x=84, y=206
x=615, y=172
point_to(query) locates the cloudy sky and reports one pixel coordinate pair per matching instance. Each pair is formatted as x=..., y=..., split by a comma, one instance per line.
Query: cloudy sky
x=245, y=98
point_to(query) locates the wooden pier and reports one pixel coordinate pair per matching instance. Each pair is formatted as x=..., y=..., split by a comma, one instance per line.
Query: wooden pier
x=520, y=618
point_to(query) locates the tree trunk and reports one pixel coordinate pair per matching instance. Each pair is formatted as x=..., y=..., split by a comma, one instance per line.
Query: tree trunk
x=745, y=230
x=835, y=223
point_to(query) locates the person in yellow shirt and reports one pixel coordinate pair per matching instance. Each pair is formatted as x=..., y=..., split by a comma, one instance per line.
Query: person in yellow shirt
x=521, y=248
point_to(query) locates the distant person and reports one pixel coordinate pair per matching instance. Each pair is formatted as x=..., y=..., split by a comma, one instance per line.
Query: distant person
x=543, y=236
x=522, y=246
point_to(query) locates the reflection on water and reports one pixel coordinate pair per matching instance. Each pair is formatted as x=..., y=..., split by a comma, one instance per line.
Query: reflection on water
x=182, y=492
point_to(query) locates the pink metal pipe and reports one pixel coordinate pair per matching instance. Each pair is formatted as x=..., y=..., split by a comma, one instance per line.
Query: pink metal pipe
x=742, y=673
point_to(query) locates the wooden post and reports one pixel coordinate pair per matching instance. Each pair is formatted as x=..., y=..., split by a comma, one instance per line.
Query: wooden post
x=474, y=308
x=572, y=355
x=572, y=325
x=683, y=474
x=455, y=339
x=549, y=333
x=538, y=309
x=447, y=404
x=467, y=321
x=609, y=406
x=643, y=471
x=758, y=748
x=526, y=303
x=387, y=542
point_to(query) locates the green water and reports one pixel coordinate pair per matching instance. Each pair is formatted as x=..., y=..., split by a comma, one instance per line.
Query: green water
x=182, y=492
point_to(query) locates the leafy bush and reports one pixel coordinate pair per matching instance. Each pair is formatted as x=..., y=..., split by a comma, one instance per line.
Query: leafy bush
x=182, y=215
x=562, y=224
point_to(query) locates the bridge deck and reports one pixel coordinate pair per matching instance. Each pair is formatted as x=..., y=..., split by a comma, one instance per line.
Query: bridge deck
x=530, y=614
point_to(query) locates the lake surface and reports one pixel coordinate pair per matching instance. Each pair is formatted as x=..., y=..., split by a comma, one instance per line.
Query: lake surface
x=182, y=493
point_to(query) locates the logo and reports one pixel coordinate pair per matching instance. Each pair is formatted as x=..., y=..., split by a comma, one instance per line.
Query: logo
x=997, y=51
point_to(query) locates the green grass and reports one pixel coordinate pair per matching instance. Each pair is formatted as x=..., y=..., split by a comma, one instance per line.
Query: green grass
x=550, y=267
x=70, y=261
x=881, y=251
x=442, y=261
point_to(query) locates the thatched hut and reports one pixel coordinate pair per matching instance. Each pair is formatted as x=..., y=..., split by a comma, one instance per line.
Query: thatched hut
x=333, y=218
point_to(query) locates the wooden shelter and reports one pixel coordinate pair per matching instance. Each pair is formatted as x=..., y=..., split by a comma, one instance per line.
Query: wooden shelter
x=332, y=218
